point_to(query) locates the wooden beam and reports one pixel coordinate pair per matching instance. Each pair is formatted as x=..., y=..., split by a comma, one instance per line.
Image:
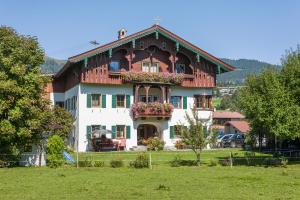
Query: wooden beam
x=110, y=53
x=177, y=46
x=133, y=43
x=156, y=35
x=198, y=58
x=85, y=62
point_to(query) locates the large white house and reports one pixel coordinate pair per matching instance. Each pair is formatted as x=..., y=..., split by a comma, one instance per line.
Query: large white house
x=137, y=87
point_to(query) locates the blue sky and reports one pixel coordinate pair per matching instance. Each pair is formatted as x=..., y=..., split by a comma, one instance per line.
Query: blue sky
x=256, y=29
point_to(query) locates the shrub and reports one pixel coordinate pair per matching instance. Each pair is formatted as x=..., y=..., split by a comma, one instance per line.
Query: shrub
x=155, y=144
x=117, y=162
x=177, y=162
x=55, y=147
x=141, y=161
x=225, y=162
x=213, y=162
x=280, y=161
x=98, y=163
x=85, y=163
x=250, y=157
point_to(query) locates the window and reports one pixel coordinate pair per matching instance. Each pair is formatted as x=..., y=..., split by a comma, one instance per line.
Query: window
x=114, y=66
x=120, y=131
x=120, y=101
x=59, y=103
x=150, y=67
x=96, y=100
x=151, y=98
x=177, y=131
x=198, y=101
x=179, y=68
x=176, y=101
x=95, y=127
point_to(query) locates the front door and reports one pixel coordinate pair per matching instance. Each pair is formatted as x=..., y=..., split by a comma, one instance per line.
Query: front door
x=146, y=131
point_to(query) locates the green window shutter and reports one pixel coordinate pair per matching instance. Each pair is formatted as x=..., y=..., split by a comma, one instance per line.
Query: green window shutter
x=103, y=101
x=88, y=101
x=88, y=132
x=127, y=101
x=113, y=101
x=171, y=132
x=113, y=130
x=103, y=127
x=184, y=102
x=128, y=132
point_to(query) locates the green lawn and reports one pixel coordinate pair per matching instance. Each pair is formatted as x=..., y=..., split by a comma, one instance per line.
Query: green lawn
x=162, y=182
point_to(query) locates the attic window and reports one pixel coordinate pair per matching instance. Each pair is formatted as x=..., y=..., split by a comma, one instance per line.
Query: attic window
x=141, y=44
x=114, y=66
x=164, y=45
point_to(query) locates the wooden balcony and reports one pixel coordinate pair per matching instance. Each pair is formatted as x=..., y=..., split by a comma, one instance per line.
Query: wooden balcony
x=157, y=110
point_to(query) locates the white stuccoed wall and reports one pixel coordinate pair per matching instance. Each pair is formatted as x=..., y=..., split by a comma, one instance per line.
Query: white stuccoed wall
x=121, y=116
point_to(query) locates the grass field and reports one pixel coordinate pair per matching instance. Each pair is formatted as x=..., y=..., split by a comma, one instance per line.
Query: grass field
x=161, y=182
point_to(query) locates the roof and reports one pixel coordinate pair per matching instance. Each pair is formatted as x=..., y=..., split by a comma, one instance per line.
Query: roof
x=154, y=29
x=242, y=126
x=227, y=115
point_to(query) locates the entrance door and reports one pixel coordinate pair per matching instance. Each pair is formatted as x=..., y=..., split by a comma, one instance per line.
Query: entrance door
x=146, y=131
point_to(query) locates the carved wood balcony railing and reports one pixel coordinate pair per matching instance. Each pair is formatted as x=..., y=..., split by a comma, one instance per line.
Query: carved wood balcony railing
x=116, y=78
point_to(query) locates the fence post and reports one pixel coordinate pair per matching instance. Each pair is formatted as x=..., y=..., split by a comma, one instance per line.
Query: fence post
x=150, y=160
x=230, y=159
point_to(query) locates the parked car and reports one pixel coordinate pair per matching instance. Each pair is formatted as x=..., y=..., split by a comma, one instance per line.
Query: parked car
x=235, y=140
x=222, y=138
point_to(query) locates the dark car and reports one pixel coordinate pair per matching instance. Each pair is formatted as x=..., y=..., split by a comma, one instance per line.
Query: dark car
x=236, y=140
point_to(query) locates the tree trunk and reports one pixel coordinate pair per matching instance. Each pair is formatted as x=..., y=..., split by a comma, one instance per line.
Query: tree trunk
x=198, y=158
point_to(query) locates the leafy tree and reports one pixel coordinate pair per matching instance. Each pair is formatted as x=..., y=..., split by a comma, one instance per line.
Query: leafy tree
x=55, y=147
x=228, y=102
x=269, y=106
x=61, y=122
x=193, y=135
x=21, y=88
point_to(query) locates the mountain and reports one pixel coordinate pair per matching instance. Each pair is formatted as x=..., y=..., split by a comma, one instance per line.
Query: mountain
x=243, y=68
x=52, y=65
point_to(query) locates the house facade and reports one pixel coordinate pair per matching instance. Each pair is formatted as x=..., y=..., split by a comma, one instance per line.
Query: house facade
x=137, y=87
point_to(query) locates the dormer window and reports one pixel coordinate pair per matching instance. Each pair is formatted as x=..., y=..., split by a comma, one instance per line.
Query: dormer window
x=114, y=66
x=179, y=68
x=150, y=67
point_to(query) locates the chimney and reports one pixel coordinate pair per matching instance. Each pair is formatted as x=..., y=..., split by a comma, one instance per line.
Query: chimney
x=122, y=33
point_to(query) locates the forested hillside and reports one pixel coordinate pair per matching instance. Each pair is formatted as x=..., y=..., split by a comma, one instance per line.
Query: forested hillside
x=243, y=68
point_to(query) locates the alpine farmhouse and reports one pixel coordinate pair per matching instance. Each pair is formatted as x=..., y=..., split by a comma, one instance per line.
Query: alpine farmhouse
x=137, y=87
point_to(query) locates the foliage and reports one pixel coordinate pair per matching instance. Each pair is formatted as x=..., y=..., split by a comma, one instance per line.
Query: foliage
x=61, y=122
x=270, y=105
x=153, y=77
x=116, y=163
x=98, y=163
x=213, y=162
x=23, y=109
x=193, y=135
x=55, y=147
x=85, y=163
x=155, y=144
x=141, y=161
x=178, y=161
x=228, y=102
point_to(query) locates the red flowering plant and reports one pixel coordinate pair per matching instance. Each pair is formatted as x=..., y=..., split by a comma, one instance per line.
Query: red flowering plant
x=155, y=107
x=153, y=77
x=168, y=107
x=139, y=107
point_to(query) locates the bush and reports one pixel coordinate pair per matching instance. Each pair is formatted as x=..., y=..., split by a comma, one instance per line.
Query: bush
x=155, y=144
x=225, y=162
x=213, y=162
x=141, y=161
x=250, y=158
x=98, y=163
x=55, y=147
x=177, y=162
x=281, y=161
x=85, y=163
x=115, y=163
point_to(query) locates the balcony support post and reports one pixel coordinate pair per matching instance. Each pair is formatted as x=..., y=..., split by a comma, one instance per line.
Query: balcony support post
x=147, y=92
x=169, y=95
x=136, y=93
x=162, y=93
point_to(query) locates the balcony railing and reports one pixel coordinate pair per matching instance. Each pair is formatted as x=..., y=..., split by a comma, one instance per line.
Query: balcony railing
x=153, y=109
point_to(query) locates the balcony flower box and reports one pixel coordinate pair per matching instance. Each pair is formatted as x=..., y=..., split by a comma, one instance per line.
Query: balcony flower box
x=170, y=78
x=153, y=109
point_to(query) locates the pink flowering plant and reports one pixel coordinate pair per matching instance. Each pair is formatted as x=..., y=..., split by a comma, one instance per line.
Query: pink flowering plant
x=164, y=77
x=152, y=108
